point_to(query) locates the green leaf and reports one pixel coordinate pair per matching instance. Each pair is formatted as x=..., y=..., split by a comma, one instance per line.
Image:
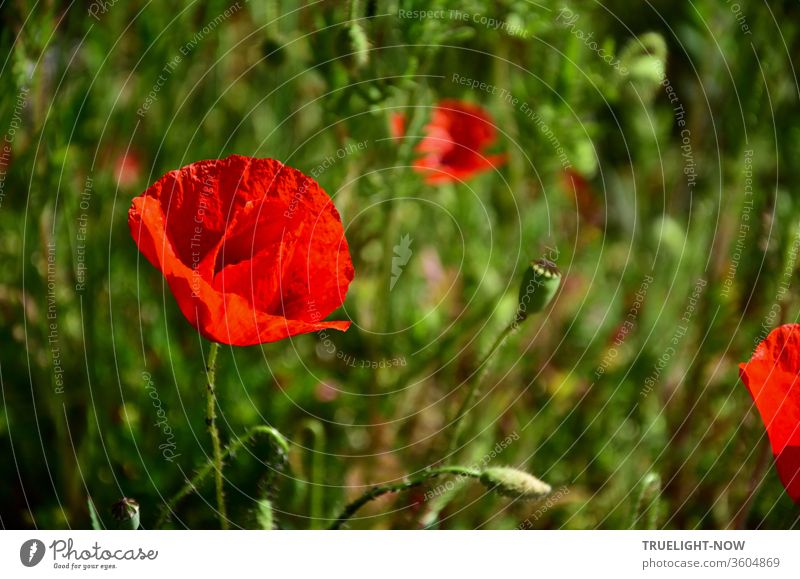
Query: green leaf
x=95, y=518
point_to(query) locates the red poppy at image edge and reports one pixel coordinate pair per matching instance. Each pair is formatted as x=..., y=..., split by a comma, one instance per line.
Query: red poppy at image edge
x=455, y=142
x=253, y=251
x=773, y=377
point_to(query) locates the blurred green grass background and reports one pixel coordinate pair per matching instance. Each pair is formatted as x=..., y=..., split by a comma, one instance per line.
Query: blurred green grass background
x=100, y=99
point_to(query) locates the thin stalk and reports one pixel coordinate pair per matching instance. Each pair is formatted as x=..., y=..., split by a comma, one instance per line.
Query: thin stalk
x=458, y=422
x=211, y=423
x=316, y=476
x=756, y=478
x=381, y=490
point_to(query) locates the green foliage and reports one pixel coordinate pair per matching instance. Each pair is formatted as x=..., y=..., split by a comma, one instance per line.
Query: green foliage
x=103, y=380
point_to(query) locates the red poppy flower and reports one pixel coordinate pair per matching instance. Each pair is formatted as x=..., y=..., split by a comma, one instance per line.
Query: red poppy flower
x=579, y=188
x=127, y=168
x=773, y=377
x=455, y=142
x=253, y=251
x=397, y=124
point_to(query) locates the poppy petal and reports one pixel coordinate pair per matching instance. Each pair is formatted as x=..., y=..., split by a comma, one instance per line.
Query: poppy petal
x=773, y=378
x=455, y=141
x=253, y=251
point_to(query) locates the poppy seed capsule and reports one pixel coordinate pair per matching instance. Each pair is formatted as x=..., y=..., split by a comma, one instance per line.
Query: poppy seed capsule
x=514, y=483
x=539, y=285
x=126, y=512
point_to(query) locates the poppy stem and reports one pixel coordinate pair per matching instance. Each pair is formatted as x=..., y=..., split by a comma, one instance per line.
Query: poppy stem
x=459, y=422
x=315, y=471
x=211, y=423
x=759, y=472
x=381, y=490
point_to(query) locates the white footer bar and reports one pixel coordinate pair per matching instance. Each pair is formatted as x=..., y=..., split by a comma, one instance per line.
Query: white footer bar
x=400, y=554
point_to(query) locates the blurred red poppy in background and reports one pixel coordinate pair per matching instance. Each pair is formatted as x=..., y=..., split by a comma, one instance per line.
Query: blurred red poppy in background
x=773, y=377
x=397, y=124
x=127, y=169
x=253, y=251
x=580, y=189
x=454, y=147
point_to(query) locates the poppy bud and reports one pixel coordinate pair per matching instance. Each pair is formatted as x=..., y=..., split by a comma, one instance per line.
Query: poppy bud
x=126, y=512
x=539, y=285
x=514, y=483
x=355, y=46
x=647, y=69
x=645, y=58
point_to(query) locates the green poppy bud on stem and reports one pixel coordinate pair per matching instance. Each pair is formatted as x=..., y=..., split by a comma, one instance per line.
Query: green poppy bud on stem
x=645, y=514
x=539, y=284
x=126, y=512
x=645, y=59
x=358, y=38
x=514, y=483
